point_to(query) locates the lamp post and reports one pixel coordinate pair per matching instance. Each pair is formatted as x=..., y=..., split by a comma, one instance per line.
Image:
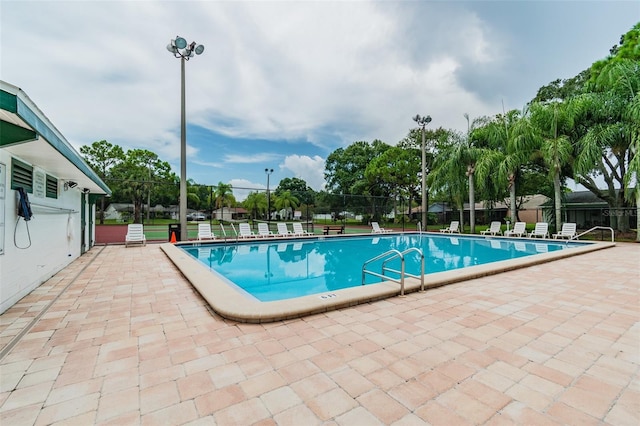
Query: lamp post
x=180, y=49
x=422, y=122
x=268, y=172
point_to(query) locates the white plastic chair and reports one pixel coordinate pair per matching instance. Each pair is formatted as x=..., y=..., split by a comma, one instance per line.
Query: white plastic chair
x=283, y=231
x=376, y=228
x=245, y=231
x=541, y=230
x=453, y=227
x=519, y=230
x=264, y=231
x=494, y=229
x=568, y=231
x=135, y=234
x=298, y=231
x=204, y=232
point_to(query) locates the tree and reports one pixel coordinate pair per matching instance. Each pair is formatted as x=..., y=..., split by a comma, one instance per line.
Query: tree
x=298, y=188
x=345, y=167
x=561, y=90
x=435, y=139
x=136, y=175
x=287, y=201
x=547, y=128
x=223, y=196
x=448, y=174
x=609, y=143
x=394, y=172
x=256, y=203
x=102, y=156
x=505, y=154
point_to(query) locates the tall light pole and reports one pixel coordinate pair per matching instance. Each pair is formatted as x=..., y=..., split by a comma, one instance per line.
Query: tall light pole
x=422, y=122
x=268, y=172
x=184, y=51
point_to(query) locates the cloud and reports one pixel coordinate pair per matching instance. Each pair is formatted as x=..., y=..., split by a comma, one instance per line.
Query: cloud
x=250, y=158
x=309, y=169
x=242, y=188
x=289, y=82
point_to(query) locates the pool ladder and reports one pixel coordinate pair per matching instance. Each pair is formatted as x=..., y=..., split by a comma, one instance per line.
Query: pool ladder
x=389, y=256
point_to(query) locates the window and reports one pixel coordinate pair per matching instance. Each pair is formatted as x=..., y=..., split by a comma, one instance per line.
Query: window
x=21, y=175
x=52, y=187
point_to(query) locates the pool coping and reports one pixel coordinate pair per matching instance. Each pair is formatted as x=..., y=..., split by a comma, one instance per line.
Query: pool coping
x=231, y=304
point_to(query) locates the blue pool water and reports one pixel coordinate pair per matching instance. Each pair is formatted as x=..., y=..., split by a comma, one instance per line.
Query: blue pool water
x=283, y=269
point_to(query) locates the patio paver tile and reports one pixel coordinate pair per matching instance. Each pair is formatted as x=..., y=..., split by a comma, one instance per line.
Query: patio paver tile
x=536, y=346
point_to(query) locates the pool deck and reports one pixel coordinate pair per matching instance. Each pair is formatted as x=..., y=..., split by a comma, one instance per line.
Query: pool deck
x=121, y=337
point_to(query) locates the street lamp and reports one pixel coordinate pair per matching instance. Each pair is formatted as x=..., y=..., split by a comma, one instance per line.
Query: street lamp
x=422, y=122
x=268, y=172
x=184, y=51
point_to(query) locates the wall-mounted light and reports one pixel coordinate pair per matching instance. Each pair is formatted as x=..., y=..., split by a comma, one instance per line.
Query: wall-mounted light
x=70, y=184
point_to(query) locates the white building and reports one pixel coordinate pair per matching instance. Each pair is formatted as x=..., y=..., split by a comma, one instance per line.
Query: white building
x=62, y=190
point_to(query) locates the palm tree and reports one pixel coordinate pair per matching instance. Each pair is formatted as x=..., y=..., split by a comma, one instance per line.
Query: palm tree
x=547, y=128
x=504, y=155
x=224, y=196
x=285, y=200
x=448, y=174
x=256, y=203
x=470, y=153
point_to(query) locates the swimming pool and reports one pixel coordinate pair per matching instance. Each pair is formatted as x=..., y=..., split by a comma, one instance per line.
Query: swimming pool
x=334, y=270
x=276, y=270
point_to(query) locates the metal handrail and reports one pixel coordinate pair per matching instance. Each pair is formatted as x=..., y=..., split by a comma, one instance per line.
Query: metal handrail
x=390, y=255
x=593, y=229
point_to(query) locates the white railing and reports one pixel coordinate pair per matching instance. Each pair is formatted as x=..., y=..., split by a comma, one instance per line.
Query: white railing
x=593, y=229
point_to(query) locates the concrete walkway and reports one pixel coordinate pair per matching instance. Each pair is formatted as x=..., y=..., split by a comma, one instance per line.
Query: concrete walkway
x=120, y=337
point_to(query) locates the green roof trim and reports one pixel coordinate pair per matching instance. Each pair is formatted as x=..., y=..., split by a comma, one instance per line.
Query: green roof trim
x=8, y=102
x=11, y=134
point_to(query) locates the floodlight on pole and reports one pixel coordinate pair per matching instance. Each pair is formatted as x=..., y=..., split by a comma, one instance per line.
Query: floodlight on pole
x=422, y=122
x=180, y=49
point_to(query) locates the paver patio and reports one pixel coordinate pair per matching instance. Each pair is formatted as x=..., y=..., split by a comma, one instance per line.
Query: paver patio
x=120, y=337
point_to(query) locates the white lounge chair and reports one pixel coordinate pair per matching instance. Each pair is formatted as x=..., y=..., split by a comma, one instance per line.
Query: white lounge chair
x=519, y=230
x=264, y=231
x=245, y=231
x=376, y=228
x=135, y=234
x=568, y=231
x=204, y=232
x=298, y=231
x=453, y=227
x=493, y=229
x=541, y=230
x=283, y=231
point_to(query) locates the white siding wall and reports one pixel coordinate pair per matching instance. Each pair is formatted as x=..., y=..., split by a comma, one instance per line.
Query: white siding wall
x=53, y=235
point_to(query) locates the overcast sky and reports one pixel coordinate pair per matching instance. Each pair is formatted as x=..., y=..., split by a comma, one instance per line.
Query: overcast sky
x=282, y=84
